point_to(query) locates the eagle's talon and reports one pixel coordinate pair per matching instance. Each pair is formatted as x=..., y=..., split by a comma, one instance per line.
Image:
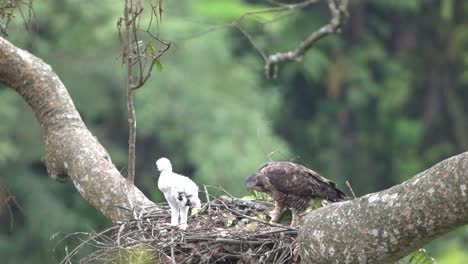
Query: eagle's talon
x=275, y=214
x=295, y=222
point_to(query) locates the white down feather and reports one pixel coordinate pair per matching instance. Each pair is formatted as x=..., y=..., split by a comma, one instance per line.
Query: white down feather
x=179, y=191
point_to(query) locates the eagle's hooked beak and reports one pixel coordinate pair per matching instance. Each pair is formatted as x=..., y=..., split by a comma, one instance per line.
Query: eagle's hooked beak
x=250, y=183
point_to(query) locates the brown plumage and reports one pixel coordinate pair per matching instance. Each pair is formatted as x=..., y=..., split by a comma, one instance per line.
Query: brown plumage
x=292, y=186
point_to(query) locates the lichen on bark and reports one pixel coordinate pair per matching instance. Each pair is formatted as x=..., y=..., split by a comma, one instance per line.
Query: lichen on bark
x=383, y=227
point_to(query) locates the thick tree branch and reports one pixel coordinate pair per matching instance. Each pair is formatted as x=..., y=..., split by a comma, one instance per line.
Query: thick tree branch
x=71, y=151
x=383, y=227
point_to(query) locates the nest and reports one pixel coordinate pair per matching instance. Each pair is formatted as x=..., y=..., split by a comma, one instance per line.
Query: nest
x=224, y=230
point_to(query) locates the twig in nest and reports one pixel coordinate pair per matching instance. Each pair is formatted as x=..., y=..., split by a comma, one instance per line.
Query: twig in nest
x=226, y=192
x=350, y=189
x=207, y=199
x=84, y=243
x=255, y=219
x=172, y=250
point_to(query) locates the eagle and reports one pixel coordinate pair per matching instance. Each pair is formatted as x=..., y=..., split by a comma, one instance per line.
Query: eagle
x=180, y=192
x=292, y=186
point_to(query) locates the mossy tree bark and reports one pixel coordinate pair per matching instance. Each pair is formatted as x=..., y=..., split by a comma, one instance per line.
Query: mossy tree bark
x=386, y=226
x=71, y=151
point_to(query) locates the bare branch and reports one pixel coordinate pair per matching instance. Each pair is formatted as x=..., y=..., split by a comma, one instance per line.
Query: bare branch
x=5, y=202
x=7, y=13
x=250, y=38
x=339, y=15
x=351, y=189
x=280, y=8
x=128, y=58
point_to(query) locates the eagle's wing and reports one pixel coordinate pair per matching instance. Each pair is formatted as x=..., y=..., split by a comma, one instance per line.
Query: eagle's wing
x=291, y=178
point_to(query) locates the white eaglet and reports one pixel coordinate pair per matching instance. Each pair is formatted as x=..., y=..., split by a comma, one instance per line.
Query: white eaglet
x=180, y=192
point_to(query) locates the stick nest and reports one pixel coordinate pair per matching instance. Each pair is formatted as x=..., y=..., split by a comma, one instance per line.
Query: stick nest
x=224, y=230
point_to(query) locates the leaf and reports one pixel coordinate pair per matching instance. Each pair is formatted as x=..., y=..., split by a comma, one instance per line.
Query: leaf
x=254, y=194
x=420, y=256
x=248, y=198
x=316, y=204
x=195, y=211
x=262, y=217
x=149, y=47
x=230, y=218
x=251, y=225
x=159, y=66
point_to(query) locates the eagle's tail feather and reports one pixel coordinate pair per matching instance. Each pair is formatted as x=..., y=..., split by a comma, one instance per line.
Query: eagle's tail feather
x=336, y=195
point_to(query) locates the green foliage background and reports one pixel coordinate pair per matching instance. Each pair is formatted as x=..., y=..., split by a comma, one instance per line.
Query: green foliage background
x=374, y=105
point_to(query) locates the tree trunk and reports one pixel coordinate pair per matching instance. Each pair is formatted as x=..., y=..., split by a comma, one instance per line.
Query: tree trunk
x=386, y=226
x=71, y=151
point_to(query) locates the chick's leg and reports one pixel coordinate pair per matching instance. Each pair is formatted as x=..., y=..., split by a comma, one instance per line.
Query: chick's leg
x=174, y=215
x=183, y=217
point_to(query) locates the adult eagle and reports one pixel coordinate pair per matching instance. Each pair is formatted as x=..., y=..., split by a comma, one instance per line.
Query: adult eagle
x=292, y=186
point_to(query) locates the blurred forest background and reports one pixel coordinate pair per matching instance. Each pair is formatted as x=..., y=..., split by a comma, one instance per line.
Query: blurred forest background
x=374, y=105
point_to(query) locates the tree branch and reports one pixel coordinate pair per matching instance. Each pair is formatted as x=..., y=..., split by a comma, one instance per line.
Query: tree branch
x=386, y=226
x=129, y=22
x=71, y=151
x=135, y=54
x=6, y=201
x=339, y=15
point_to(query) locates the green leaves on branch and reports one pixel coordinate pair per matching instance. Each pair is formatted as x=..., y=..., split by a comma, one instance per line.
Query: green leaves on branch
x=149, y=47
x=418, y=257
x=159, y=65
